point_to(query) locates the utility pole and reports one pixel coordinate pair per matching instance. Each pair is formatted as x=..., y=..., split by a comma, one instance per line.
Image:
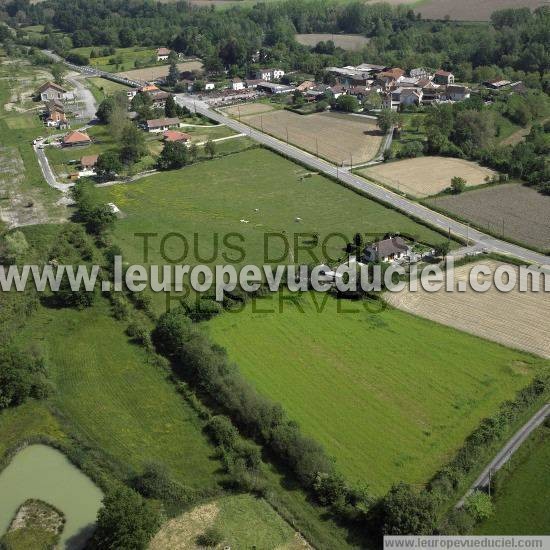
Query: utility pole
x=287, y=135
x=262, y=123
x=317, y=147
x=350, y=162
x=239, y=111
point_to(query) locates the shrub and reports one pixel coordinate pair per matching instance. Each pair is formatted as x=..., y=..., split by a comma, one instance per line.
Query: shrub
x=479, y=505
x=210, y=538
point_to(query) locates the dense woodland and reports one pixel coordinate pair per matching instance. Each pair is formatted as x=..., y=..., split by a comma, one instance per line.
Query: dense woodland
x=514, y=44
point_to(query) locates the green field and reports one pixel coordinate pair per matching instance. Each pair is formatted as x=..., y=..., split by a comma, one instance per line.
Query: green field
x=114, y=398
x=243, y=520
x=391, y=396
x=522, y=503
x=213, y=197
x=127, y=58
x=101, y=87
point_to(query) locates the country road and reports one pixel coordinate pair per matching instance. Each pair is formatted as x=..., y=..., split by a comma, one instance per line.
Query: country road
x=504, y=455
x=371, y=189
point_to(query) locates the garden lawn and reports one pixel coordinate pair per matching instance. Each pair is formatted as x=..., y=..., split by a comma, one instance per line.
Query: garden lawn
x=146, y=57
x=390, y=396
x=213, y=197
x=522, y=504
x=113, y=398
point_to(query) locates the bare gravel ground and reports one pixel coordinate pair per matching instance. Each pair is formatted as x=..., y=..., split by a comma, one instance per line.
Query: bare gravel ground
x=515, y=319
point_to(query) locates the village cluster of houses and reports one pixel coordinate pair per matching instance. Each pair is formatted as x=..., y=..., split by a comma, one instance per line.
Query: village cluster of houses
x=54, y=97
x=397, y=88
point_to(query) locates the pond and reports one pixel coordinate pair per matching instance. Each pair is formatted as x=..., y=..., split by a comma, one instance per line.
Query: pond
x=42, y=472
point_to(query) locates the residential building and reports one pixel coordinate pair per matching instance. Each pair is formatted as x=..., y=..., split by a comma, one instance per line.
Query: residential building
x=444, y=77
x=420, y=72
x=208, y=86
x=402, y=97
x=457, y=93
x=88, y=162
x=159, y=99
x=76, y=138
x=237, y=84
x=51, y=90
x=269, y=74
x=305, y=86
x=387, y=250
x=175, y=136
x=162, y=54
x=54, y=115
x=158, y=125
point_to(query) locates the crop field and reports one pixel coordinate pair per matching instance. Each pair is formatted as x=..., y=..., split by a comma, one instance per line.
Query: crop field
x=152, y=73
x=511, y=211
x=522, y=501
x=391, y=396
x=341, y=139
x=272, y=191
x=485, y=314
x=247, y=109
x=114, y=398
x=470, y=10
x=244, y=521
x=425, y=176
x=352, y=42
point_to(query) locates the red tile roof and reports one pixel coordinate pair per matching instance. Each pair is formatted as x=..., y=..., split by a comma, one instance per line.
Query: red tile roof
x=76, y=137
x=172, y=135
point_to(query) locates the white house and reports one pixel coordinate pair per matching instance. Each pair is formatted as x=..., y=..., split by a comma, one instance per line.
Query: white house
x=50, y=90
x=209, y=86
x=158, y=125
x=269, y=74
x=237, y=84
x=162, y=54
x=444, y=77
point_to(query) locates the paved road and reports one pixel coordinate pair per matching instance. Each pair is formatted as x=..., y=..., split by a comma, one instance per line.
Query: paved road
x=507, y=451
x=371, y=189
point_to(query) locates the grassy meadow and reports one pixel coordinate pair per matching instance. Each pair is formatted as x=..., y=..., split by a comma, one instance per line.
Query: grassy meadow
x=522, y=501
x=123, y=59
x=390, y=396
x=114, y=398
x=252, y=193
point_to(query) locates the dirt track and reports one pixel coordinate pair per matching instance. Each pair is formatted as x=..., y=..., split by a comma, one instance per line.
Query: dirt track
x=515, y=319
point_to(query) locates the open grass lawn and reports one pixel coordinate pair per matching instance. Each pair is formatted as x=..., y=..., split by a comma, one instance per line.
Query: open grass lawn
x=101, y=87
x=243, y=520
x=213, y=197
x=114, y=398
x=522, y=504
x=127, y=57
x=390, y=396
x=412, y=130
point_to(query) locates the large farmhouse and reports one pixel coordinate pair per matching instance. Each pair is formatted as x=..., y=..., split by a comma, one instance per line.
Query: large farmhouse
x=51, y=90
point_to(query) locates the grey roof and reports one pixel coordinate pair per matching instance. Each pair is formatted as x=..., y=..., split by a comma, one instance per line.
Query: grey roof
x=387, y=247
